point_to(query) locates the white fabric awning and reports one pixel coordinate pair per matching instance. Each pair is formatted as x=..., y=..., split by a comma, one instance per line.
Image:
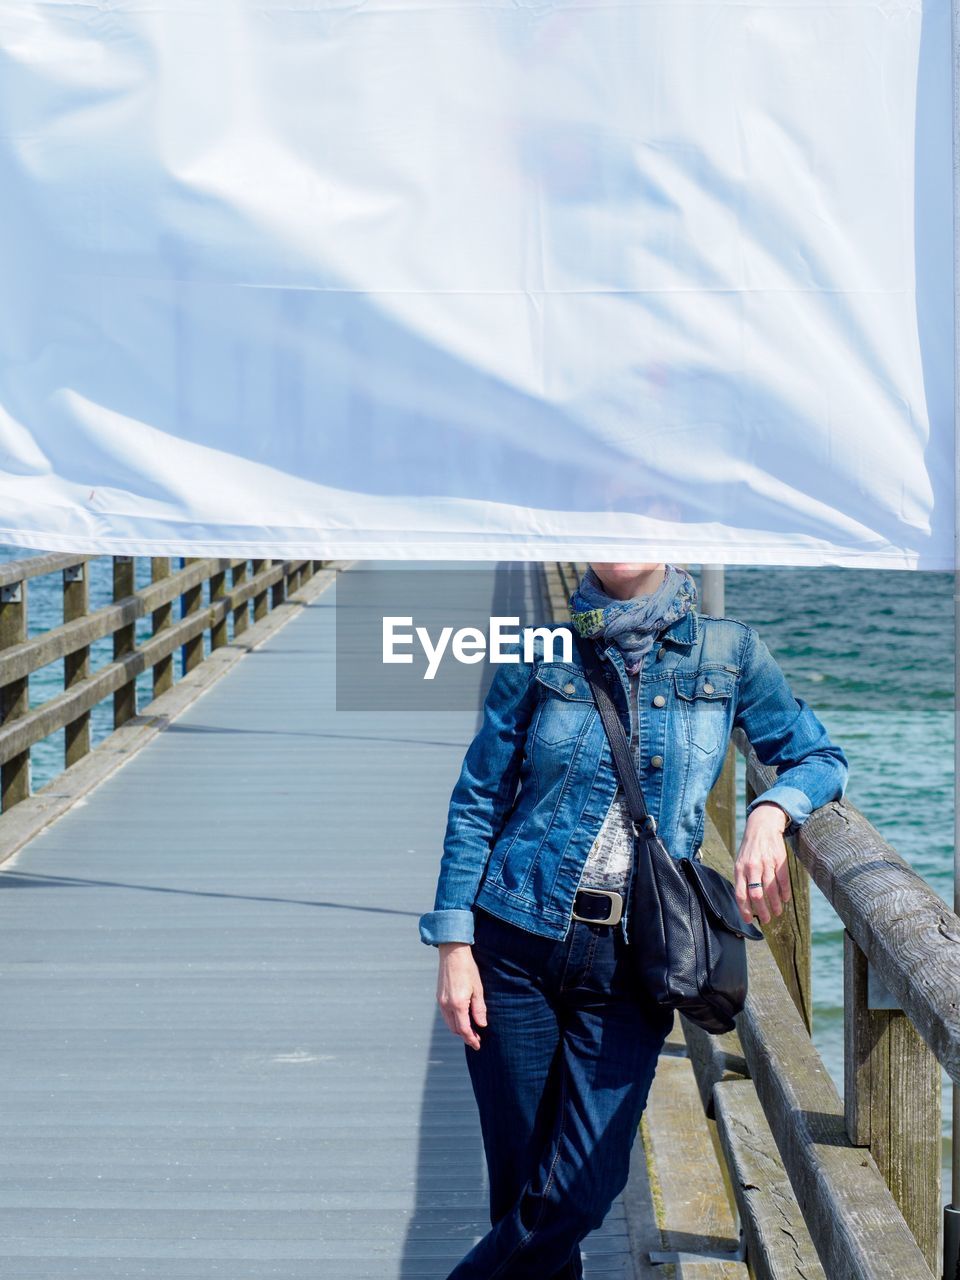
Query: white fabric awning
x=639, y=280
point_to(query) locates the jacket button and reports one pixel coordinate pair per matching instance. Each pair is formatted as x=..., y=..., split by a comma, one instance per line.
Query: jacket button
x=661, y=653
x=657, y=761
x=659, y=700
x=569, y=687
x=708, y=688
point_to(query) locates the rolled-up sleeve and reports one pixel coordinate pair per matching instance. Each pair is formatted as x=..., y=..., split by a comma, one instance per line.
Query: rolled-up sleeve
x=786, y=733
x=481, y=800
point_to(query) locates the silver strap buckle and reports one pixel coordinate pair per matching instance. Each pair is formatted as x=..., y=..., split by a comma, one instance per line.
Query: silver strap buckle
x=616, y=907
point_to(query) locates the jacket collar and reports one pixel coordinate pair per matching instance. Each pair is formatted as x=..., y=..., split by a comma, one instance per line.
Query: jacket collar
x=685, y=630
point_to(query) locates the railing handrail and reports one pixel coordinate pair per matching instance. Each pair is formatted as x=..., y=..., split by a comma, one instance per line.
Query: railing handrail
x=13, y=571
x=21, y=655
x=908, y=933
x=847, y=1205
x=57, y=642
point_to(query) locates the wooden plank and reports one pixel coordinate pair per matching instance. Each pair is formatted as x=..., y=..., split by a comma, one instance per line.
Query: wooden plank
x=76, y=665
x=861, y=1035
x=259, y=597
x=278, y=588
x=191, y=608
x=241, y=609
x=892, y=1103
x=693, y=1205
x=788, y=935
x=162, y=619
x=853, y=1218
x=640, y=1198
x=124, y=640
x=778, y=1242
x=14, y=696
x=907, y=932
x=14, y=571
x=789, y=939
x=722, y=801
x=218, y=593
x=713, y=1058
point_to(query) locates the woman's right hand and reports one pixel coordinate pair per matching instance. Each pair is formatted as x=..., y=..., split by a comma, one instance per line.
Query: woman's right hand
x=460, y=991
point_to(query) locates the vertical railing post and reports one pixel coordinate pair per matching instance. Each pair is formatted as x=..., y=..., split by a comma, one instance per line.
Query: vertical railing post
x=891, y=1097
x=789, y=935
x=260, y=598
x=192, y=602
x=241, y=614
x=277, y=590
x=15, y=696
x=76, y=665
x=218, y=591
x=124, y=639
x=722, y=801
x=162, y=618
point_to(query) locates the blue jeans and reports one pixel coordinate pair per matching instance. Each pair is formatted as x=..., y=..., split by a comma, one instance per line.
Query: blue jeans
x=561, y=1079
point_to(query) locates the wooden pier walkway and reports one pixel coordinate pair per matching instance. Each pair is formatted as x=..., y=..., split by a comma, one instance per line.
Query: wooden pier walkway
x=221, y=1052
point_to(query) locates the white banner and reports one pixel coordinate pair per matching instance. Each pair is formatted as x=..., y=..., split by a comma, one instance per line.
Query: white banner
x=634, y=280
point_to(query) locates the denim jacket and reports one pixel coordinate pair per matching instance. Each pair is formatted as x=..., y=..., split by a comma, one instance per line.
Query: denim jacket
x=538, y=778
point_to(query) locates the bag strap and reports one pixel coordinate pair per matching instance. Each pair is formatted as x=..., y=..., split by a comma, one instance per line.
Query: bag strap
x=619, y=746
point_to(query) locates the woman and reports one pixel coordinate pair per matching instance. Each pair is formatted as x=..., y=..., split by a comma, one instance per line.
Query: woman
x=531, y=913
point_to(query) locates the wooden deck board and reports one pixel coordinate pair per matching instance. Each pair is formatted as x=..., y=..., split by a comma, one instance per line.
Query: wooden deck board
x=696, y=1215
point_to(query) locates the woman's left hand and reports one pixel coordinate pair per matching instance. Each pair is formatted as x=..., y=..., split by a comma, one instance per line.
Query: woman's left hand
x=763, y=857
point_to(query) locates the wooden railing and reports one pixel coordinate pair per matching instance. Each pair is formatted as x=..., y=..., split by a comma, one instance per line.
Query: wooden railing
x=862, y=1175
x=826, y=1187
x=251, y=590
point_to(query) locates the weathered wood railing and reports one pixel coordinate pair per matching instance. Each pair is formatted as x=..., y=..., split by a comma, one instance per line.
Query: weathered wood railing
x=259, y=590
x=860, y=1178
x=826, y=1187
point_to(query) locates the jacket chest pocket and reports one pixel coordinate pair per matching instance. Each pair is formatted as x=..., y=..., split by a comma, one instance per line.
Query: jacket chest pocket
x=565, y=703
x=704, y=699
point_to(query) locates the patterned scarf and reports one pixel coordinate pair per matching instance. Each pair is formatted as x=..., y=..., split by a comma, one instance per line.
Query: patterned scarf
x=631, y=624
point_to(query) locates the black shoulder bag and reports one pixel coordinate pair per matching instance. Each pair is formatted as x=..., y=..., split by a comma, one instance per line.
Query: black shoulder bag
x=688, y=934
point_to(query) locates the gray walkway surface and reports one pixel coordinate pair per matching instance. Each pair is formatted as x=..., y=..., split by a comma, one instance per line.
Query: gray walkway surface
x=221, y=1051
